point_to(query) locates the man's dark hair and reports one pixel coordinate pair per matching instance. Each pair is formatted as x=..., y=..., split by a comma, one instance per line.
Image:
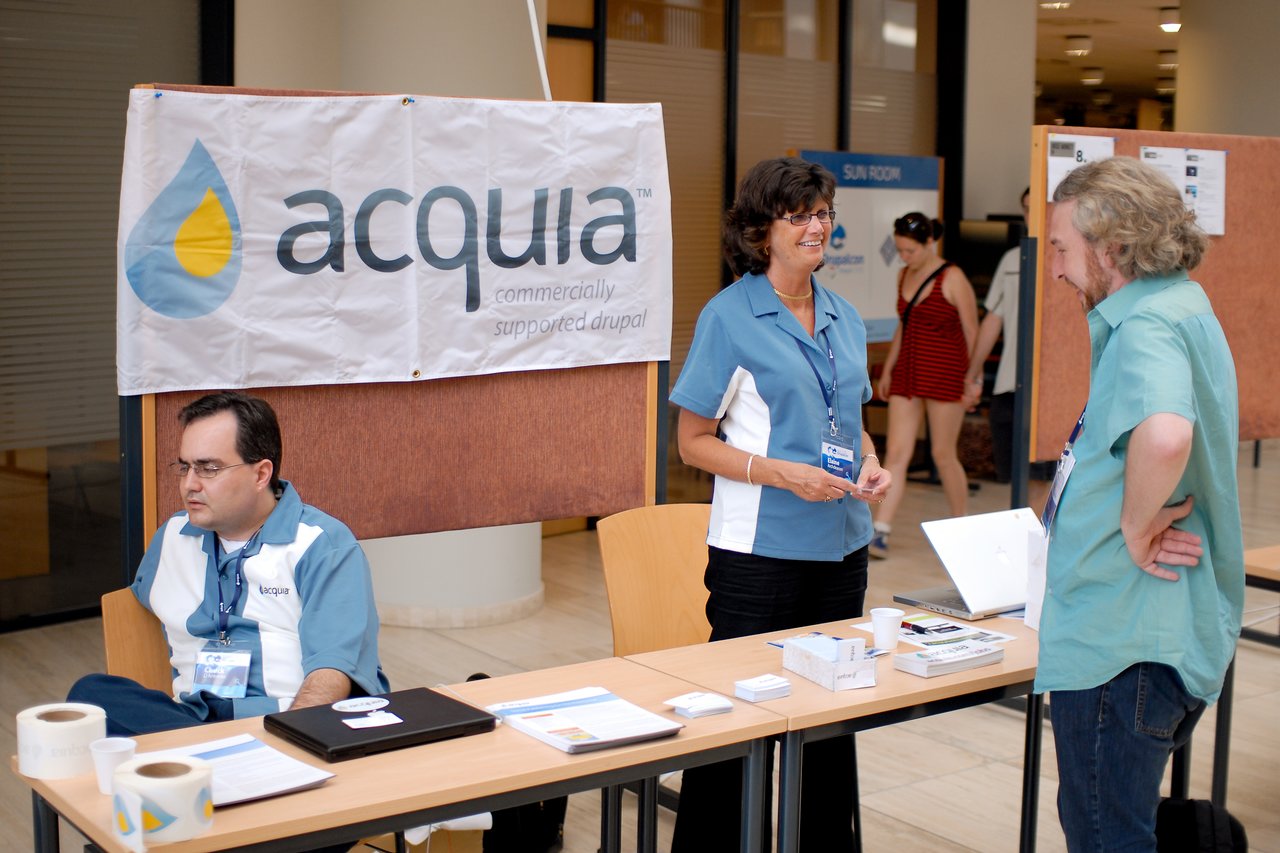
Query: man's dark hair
x=257, y=430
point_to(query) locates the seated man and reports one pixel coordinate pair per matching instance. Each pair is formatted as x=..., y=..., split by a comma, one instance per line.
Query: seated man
x=267, y=603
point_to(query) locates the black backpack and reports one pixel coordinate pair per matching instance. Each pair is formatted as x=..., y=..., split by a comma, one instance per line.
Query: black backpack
x=1197, y=826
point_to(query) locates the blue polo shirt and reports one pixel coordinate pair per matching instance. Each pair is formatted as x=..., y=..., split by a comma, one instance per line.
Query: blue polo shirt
x=751, y=366
x=1156, y=347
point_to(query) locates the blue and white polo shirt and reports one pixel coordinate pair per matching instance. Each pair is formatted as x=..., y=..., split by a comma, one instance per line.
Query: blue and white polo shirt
x=307, y=603
x=746, y=370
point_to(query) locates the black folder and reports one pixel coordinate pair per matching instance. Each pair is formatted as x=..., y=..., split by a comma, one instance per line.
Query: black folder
x=425, y=715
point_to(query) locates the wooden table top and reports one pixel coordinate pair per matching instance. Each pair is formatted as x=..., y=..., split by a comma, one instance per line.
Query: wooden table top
x=718, y=665
x=438, y=774
x=1263, y=562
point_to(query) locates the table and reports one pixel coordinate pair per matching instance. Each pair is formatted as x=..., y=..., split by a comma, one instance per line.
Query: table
x=815, y=713
x=1262, y=570
x=425, y=784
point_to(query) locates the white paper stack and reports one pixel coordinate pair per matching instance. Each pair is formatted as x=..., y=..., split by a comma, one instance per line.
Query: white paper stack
x=953, y=657
x=762, y=688
x=698, y=704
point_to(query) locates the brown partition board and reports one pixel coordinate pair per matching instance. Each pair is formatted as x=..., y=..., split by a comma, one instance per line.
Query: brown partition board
x=1240, y=278
x=448, y=454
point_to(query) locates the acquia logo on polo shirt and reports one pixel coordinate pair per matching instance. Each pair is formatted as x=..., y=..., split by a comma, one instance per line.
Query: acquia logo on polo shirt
x=184, y=255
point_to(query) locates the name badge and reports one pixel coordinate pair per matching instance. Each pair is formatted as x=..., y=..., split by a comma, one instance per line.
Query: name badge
x=837, y=455
x=223, y=670
x=1065, y=464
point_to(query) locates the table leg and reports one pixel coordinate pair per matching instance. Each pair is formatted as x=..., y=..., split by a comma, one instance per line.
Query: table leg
x=611, y=819
x=647, y=816
x=789, y=792
x=1180, y=781
x=1031, y=771
x=44, y=825
x=857, y=803
x=1222, y=737
x=754, y=778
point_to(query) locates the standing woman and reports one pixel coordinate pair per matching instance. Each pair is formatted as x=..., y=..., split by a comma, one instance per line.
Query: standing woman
x=770, y=399
x=926, y=368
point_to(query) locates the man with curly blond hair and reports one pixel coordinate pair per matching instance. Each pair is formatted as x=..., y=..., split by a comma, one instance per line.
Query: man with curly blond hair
x=1145, y=567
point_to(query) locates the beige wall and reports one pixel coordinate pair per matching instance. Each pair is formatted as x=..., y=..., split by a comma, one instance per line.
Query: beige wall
x=477, y=48
x=999, y=105
x=1228, y=76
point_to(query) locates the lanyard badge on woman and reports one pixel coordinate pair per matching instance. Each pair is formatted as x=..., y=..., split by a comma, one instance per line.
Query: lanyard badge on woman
x=837, y=448
x=222, y=666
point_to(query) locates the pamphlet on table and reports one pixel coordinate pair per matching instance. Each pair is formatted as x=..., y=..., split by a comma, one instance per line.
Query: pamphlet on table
x=583, y=720
x=245, y=768
x=949, y=658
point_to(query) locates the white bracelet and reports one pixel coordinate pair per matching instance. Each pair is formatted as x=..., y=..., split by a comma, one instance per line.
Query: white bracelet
x=750, y=459
x=867, y=456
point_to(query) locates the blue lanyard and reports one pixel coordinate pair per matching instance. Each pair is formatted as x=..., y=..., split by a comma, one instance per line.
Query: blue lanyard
x=828, y=397
x=224, y=612
x=1075, y=432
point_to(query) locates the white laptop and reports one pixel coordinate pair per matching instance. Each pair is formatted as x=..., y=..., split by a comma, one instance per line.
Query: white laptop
x=986, y=557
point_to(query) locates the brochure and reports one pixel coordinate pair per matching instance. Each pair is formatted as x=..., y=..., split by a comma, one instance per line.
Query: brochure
x=583, y=720
x=925, y=631
x=953, y=657
x=245, y=768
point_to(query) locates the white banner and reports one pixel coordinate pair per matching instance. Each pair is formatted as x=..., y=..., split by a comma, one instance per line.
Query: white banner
x=270, y=241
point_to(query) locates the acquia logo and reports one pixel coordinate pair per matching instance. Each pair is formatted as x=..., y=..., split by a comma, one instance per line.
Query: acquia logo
x=183, y=256
x=608, y=237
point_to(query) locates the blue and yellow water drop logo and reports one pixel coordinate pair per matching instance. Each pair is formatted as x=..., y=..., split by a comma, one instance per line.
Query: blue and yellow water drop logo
x=184, y=255
x=123, y=824
x=155, y=818
x=204, y=805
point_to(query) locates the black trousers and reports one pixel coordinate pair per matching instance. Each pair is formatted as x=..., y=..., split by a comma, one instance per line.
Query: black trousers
x=754, y=595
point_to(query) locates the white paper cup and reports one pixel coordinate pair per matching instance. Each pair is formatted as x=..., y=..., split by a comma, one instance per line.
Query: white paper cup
x=885, y=623
x=108, y=754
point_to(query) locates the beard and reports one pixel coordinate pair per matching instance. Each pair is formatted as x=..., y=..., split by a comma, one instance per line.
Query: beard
x=1097, y=284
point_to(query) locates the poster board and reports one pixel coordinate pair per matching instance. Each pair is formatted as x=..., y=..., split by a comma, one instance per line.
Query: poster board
x=861, y=262
x=394, y=458
x=1236, y=273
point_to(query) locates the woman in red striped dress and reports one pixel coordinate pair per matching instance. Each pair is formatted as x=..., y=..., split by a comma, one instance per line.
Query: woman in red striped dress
x=925, y=371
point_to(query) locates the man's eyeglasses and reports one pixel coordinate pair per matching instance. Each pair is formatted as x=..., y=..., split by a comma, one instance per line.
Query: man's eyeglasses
x=805, y=218
x=913, y=223
x=203, y=470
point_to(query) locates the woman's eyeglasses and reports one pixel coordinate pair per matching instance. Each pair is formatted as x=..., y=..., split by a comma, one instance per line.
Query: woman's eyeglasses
x=806, y=218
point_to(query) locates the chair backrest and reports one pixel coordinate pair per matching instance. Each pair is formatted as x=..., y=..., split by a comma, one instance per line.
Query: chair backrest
x=654, y=559
x=134, y=641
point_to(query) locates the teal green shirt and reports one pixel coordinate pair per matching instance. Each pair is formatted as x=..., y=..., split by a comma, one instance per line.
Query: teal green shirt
x=1156, y=347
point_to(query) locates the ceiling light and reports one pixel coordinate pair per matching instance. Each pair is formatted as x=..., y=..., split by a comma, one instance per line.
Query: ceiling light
x=1166, y=85
x=1091, y=76
x=1055, y=5
x=1170, y=21
x=1079, y=45
x=1101, y=97
x=1167, y=60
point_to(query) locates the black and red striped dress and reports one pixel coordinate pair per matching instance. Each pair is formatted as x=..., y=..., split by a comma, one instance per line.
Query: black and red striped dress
x=933, y=356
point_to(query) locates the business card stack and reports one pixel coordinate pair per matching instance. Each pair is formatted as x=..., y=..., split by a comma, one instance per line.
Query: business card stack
x=698, y=704
x=762, y=688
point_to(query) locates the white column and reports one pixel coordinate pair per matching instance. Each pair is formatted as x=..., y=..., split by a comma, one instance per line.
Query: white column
x=999, y=105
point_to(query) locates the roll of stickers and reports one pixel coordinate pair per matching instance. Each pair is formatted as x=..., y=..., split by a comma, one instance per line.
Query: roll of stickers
x=53, y=740
x=162, y=799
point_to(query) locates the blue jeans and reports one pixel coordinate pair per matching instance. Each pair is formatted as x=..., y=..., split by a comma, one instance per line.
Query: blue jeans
x=136, y=710
x=1113, y=742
